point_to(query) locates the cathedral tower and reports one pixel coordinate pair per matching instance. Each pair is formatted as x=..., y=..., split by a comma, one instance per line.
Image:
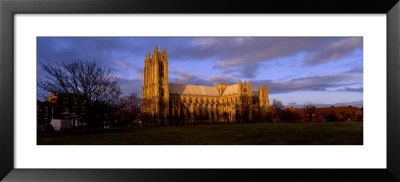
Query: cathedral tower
x=155, y=88
x=264, y=100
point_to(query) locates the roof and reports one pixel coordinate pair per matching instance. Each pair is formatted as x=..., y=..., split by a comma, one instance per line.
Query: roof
x=231, y=89
x=192, y=89
x=175, y=88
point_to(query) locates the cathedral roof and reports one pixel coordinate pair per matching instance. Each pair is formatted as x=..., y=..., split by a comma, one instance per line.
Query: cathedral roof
x=175, y=88
x=231, y=89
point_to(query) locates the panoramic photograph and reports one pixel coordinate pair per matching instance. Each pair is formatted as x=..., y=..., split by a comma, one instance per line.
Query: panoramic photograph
x=199, y=91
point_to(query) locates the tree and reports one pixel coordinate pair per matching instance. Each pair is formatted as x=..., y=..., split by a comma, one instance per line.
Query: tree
x=332, y=117
x=290, y=116
x=87, y=80
x=277, y=106
x=360, y=115
x=310, y=110
x=130, y=108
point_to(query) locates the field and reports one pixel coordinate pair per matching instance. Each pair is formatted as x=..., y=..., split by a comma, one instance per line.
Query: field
x=335, y=133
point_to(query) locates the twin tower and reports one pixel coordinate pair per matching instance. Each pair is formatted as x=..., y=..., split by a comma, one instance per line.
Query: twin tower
x=170, y=103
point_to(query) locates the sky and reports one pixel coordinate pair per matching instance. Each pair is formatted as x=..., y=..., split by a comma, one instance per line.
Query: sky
x=322, y=70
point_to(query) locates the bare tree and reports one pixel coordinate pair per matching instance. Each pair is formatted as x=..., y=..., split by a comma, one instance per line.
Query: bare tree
x=310, y=110
x=130, y=107
x=278, y=107
x=86, y=79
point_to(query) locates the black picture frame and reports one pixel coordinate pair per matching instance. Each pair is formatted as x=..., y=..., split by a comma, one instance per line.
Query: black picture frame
x=8, y=8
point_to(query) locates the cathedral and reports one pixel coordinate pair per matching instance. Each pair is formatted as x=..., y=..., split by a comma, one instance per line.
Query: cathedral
x=167, y=103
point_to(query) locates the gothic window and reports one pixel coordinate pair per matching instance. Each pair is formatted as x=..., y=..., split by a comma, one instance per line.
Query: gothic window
x=162, y=92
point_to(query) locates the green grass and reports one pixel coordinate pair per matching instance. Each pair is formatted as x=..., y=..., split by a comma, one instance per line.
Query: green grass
x=336, y=133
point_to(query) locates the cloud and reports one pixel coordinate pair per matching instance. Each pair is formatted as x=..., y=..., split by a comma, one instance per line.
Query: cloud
x=349, y=89
x=312, y=83
x=139, y=72
x=188, y=79
x=102, y=50
x=203, y=41
x=356, y=70
x=130, y=86
x=124, y=65
x=260, y=49
x=180, y=75
x=231, y=53
x=220, y=79
x=176, y=71
x=240, y=54
x=197, y=79
x=334, y=51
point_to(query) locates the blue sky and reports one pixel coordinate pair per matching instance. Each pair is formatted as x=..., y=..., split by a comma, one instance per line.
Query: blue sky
x=321, y=70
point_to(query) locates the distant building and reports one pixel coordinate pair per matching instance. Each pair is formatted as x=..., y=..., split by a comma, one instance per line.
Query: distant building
x=171, y=103
x=61, y=106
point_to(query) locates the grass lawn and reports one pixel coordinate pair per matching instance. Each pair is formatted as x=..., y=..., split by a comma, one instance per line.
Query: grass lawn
x=336, y=133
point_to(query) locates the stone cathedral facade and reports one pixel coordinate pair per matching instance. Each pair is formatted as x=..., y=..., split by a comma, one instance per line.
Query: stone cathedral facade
x=167, y=103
